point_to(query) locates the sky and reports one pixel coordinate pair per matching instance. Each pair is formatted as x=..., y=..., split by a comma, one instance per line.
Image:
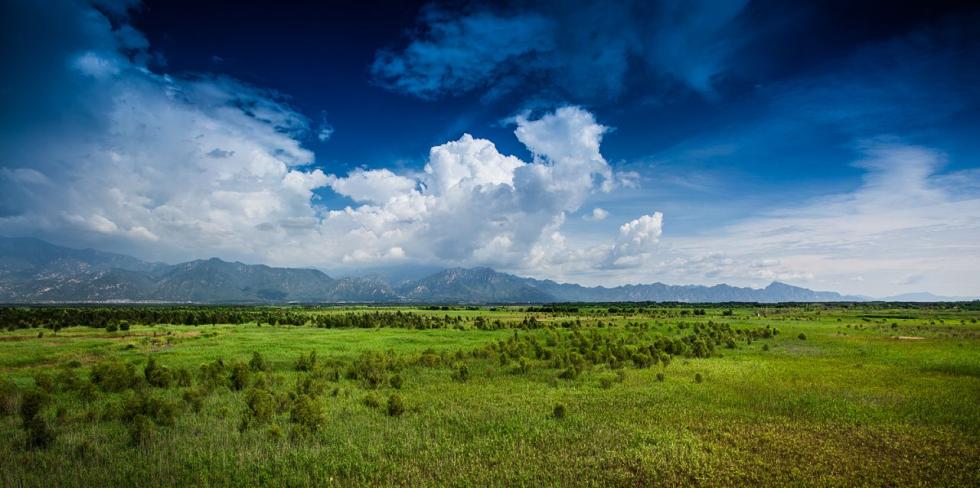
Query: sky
x=831, y=145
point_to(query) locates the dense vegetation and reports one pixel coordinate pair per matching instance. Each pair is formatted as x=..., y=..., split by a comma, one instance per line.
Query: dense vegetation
x=624, y=394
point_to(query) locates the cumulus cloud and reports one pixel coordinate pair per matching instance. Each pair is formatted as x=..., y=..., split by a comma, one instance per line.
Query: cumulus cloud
x=185, y=166
x=596, y=215
x=636, y=241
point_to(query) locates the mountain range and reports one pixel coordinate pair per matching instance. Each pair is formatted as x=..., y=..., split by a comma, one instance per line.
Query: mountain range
x=35, y=271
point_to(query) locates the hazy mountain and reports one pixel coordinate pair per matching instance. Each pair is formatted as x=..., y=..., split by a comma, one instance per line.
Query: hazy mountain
x=32, y=270
x=925, y=297
x=482, y=285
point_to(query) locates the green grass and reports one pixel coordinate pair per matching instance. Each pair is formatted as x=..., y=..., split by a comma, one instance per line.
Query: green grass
x=853, y=404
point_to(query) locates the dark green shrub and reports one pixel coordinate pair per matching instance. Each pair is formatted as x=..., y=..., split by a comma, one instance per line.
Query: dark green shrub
x=765, y=347
x=698, y=378
x=241, y=376
x=396, y=406
x=124, y=326
x=261, y=404
x=114, y=376
x=194, y=397
x=313, y=386
x=214, y=374
x=802, y=336
x=606, y=382
x=156, y=375
x=162, y=410
x=183, y=377
x=620, y=376
x=9, y=397
x=40, y=435
x=306, y=414
x=32, y=402
x=111, y=327
x=461, y=373
x=559, y=411
x=68, y=380
x=395, y=381
x=306, y=362
x=43, y=380
x=257, y=363
x=661, y=376
x=141, y=430
x=372, y=400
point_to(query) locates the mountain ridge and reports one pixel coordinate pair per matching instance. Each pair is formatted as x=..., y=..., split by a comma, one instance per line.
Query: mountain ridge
x=35, y=271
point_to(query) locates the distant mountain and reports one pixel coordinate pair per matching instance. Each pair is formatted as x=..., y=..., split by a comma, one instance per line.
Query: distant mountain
x=925, y=297
x=482, y=285
x=32, y=271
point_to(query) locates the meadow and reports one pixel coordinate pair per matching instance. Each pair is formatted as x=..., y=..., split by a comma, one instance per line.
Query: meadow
x=578, y=395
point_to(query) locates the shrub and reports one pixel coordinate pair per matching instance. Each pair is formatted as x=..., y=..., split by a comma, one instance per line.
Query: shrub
x=698, y=378
x=241, y=376
x=765, y=347
x=39, y=434
x=306, y=363
x=261, y=404
x=802, y=336
x=461, y=374
x=257, y=363
x=183, y=377
x=195, y=398
x=43, y=380
x=372, y=400
x=111, y=327
x=396, y=406
x=68, y=380
x=306, y=414
x=9, y=397
x=605, y=382
x=559, y=412
x=141, y=430
x=32, y=402
x=620, y=376
x=661, y=377
x=214, y=373
x=163, y=411
x=395, y=381
x=124, y=325
x=156, y=375
x=114, y=376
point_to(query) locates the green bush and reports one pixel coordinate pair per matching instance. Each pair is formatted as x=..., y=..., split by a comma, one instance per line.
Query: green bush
x=306, y=414
x=183, y=377
x=40, y=435
x=124, y=325
x=395, y=381
x=306, y=362
x=559, y=412
x=261, y=404
x=257, y=363
x=141, y=430
x=44, y=380
x=194, y=397
x=765, y=347
x=114, y=376
x=661, y=377
x=111, y=327
x=241, y=376
x=32, y=402
x=372, y=400
x=9, y=397
x=606, y=382
x=396, y=406
x=698, y=378
x=802, y=336
x=461, y=373
x=68, y=380
x=156, y=375
x=162, y=410
x=214, y=374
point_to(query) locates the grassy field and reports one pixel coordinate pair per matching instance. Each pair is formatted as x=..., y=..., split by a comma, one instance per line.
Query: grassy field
x=642, y=396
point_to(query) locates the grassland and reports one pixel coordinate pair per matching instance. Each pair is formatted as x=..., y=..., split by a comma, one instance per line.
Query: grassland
x=838, y=396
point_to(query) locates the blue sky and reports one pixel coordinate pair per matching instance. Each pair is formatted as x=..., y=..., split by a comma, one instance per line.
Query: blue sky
x=826, y=144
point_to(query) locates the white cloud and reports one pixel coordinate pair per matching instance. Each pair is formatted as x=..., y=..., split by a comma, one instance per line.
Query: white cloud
x=596, y=215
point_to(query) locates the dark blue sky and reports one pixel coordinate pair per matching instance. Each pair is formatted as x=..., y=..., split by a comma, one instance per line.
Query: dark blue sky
x=718, y=121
